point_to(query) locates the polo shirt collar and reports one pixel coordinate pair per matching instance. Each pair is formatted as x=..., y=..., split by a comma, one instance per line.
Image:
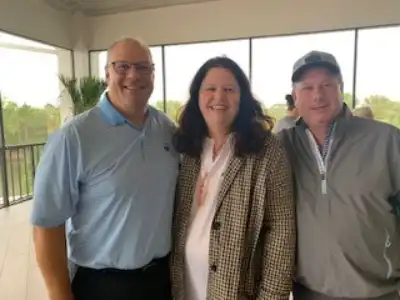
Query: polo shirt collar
x=112, y=116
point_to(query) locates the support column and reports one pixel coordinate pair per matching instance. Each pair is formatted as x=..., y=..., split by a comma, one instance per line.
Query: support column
x=80, y=41
x=65, y=68
x=94, y=64
x=79, y=58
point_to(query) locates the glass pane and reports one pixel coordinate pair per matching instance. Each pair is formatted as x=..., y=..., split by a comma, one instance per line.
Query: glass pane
x=102, y=63
x=183, y=61
x=157, y=98
x=377, y=72
x=30, y=95
x=273, y=59
x=18, y=41
x=31, y=98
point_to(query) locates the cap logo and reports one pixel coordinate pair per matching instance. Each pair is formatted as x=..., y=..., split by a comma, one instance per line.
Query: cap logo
x=313, y=58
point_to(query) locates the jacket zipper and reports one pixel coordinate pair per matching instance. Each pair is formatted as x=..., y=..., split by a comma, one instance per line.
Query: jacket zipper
x=322, y=163
x=386, y=257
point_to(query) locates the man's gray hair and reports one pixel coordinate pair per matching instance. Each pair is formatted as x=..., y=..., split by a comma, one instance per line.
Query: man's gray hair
x=135, y=40
x=337, y=76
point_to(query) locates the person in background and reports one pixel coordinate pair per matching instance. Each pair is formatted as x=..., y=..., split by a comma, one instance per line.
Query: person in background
x=291, y=116
x=234, y=227
x=347, y=179
x=364, y=112
x=95, y=192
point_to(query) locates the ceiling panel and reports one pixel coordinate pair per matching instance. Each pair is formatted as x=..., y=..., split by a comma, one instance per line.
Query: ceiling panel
x=104, y=7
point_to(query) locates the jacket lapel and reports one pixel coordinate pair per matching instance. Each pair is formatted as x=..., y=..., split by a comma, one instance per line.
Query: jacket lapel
x=187, y=190
x=192, y=165
x=233, y=167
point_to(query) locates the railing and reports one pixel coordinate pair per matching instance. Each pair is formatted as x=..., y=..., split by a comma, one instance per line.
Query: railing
x=20, y=163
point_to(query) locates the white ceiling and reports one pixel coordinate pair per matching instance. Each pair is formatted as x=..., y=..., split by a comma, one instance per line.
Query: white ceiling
x=104, y=7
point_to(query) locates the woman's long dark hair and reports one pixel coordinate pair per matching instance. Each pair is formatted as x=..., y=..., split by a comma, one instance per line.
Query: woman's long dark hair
x=251, y=126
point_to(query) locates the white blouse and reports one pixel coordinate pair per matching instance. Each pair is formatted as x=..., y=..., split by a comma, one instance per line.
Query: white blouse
x=202, y=216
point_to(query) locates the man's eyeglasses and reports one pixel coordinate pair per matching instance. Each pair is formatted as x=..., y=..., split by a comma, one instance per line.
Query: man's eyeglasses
x=122, y=67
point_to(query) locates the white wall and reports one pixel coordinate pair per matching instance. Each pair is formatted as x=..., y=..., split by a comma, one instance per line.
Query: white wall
x=226, y=19
x=35, y=20
x=223, y=19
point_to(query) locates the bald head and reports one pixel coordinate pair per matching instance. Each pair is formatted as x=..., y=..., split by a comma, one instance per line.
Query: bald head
x=128, y=45
x=364, y=112
x=130, y=76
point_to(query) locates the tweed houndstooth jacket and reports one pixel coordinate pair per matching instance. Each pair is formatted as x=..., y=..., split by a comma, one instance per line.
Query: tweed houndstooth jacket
x=253, y=236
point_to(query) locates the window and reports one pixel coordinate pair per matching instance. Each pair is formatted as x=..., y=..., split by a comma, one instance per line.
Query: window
x=30, y=96
x=273, y=59
x=102, y=59
x=183, y=61
x=156, y=98
x=12, y=40
x=378, y=65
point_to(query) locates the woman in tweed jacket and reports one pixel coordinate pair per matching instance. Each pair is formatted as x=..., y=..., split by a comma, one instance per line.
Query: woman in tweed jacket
x=234, y=226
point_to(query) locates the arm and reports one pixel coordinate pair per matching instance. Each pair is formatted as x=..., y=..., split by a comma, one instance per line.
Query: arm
x=280, y=236
x=394, y=165
x=51, y=256
x=55, y=197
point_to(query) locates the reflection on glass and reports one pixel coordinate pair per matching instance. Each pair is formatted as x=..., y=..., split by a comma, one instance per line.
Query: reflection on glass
x=273, y=59
x=378, y=68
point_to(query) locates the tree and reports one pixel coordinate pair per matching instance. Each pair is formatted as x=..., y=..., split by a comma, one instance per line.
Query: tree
x=84, y=92
x=173, y=108
x=348, y=99
x=277, y=111
x=26, y=124
x=384, y=109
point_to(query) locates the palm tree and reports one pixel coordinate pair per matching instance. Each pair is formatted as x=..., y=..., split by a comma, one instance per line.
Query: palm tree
x=84, y=92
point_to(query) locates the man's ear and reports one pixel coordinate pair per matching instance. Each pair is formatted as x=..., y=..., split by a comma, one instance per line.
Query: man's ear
x=294, y=96
x=107, y=75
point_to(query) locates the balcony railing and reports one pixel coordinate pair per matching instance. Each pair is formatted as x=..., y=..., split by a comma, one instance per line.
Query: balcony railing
x=20, y=163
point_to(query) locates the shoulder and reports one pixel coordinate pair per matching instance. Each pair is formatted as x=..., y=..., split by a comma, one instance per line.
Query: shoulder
x=163, y=120
x=286, y=133
x=383, y=134
x=378, y=129
x=87, y=121
x=70, y=133
x=83, y=121
x=272, y=150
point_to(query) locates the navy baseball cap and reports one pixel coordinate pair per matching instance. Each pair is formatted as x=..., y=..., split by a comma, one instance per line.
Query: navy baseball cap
x=315, y=59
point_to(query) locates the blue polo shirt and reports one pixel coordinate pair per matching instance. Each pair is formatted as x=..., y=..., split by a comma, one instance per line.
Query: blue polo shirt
x=113, y=185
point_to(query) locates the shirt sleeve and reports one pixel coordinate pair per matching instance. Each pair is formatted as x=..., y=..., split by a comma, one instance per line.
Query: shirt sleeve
x=56, y=186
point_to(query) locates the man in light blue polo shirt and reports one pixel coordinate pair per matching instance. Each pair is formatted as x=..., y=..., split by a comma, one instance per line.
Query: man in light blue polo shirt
x=105, y=185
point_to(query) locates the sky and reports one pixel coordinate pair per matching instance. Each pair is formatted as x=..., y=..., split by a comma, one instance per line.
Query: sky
x=31, y=77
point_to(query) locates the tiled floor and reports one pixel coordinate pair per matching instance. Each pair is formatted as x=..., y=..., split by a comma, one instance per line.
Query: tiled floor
x=19, y=275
